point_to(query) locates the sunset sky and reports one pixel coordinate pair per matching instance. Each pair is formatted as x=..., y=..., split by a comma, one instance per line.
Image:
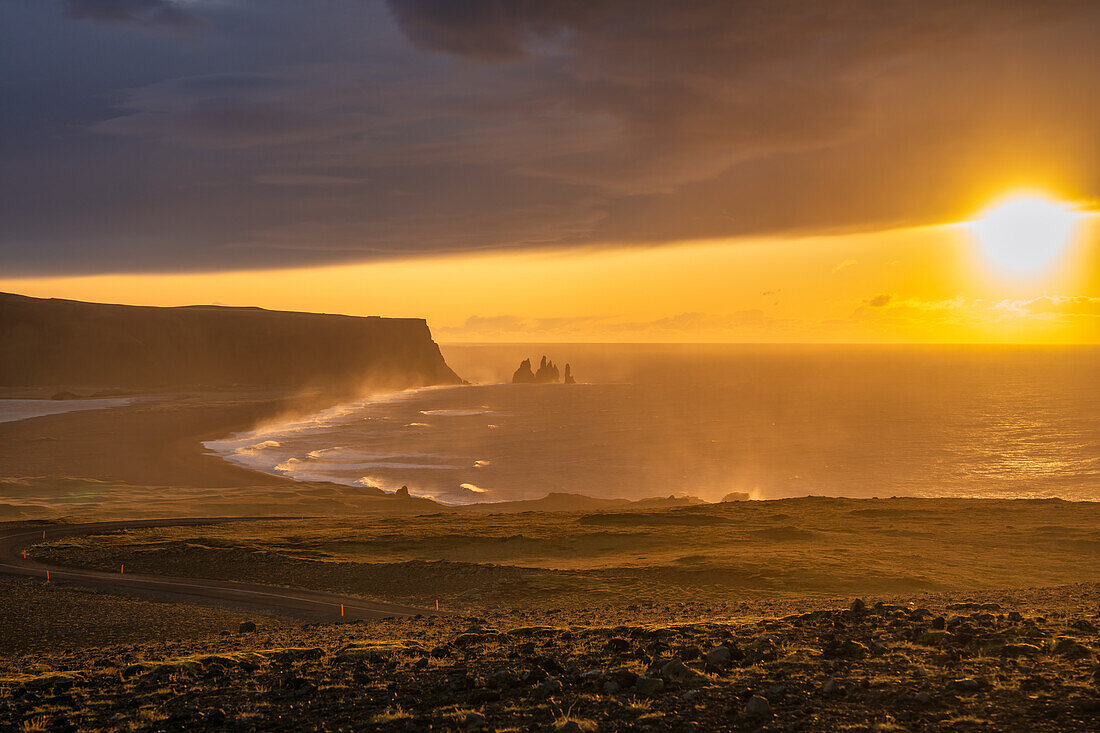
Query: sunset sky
x=605, y=170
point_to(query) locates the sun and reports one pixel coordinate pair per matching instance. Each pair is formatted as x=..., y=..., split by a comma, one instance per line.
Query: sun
x=1025, y=233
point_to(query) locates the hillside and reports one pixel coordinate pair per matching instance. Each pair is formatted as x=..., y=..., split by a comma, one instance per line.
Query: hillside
x=72, y=345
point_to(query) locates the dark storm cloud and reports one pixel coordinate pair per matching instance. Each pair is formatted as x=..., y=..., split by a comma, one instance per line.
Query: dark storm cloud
x=135, y=12
x=292, y=133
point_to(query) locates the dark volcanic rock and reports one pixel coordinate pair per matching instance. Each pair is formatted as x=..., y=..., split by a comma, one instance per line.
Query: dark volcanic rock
x=1035, y=675
x=547, y=373
x=523, y=375
x=758, y=707
x=719, y=656
x=646, y=686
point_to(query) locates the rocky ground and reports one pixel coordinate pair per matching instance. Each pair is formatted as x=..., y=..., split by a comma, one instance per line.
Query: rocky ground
x=1020, y=660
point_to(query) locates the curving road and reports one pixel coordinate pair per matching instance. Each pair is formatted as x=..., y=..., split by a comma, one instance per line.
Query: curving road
x=305, y=604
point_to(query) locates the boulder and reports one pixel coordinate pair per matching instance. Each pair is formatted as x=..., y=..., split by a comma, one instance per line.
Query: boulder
x=649, y=685
x=549, y=687
x=719, y=656
x=677, y=671
x=758, y=707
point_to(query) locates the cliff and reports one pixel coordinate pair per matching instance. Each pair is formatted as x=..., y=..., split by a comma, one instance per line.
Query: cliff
x=75, y=344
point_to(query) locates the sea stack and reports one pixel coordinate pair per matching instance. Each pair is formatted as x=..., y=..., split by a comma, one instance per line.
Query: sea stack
x=547, y=373
x=523, y=375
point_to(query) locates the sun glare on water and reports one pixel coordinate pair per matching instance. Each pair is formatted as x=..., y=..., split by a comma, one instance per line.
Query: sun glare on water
x=1025, y=233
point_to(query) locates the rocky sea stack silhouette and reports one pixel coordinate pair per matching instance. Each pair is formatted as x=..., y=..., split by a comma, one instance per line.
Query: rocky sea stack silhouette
x=547, y=373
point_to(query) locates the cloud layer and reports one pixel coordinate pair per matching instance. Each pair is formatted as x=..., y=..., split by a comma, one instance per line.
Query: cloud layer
x=274, y=133
x=134, y=12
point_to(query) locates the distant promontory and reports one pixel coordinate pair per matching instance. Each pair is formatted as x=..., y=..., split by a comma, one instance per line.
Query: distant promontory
x=71, y=344
x=547, y=373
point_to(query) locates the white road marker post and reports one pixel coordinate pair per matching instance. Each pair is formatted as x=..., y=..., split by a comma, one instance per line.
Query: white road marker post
x=341, y=610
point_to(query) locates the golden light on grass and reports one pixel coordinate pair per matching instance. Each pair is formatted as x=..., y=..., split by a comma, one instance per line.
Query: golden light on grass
x=1025, y=233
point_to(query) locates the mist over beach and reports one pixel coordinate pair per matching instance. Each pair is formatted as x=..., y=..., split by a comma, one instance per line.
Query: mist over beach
x=768, y=422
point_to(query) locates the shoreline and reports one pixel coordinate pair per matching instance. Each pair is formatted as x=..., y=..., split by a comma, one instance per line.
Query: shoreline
x=147, y=459
x=150, y=459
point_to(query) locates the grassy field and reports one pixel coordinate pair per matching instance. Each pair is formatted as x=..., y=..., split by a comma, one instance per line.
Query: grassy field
x=794, y=548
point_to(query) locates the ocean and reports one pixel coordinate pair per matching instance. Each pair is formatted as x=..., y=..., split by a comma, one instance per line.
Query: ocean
x=711, y=420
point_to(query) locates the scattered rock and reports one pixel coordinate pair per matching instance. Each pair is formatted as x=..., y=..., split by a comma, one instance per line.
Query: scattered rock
x=647, y=686
x=1019, y=650
x=1071, y=649
x=246, y=627
x=689, y=653
x=550, y=687
x=758, y=707
x=967, y=685
x=618, y=645
x=719, y=656
x=483, y=695
x=845, y=649
x=677, y=671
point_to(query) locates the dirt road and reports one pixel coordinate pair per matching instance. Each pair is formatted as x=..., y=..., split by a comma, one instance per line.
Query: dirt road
x=305, y=604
